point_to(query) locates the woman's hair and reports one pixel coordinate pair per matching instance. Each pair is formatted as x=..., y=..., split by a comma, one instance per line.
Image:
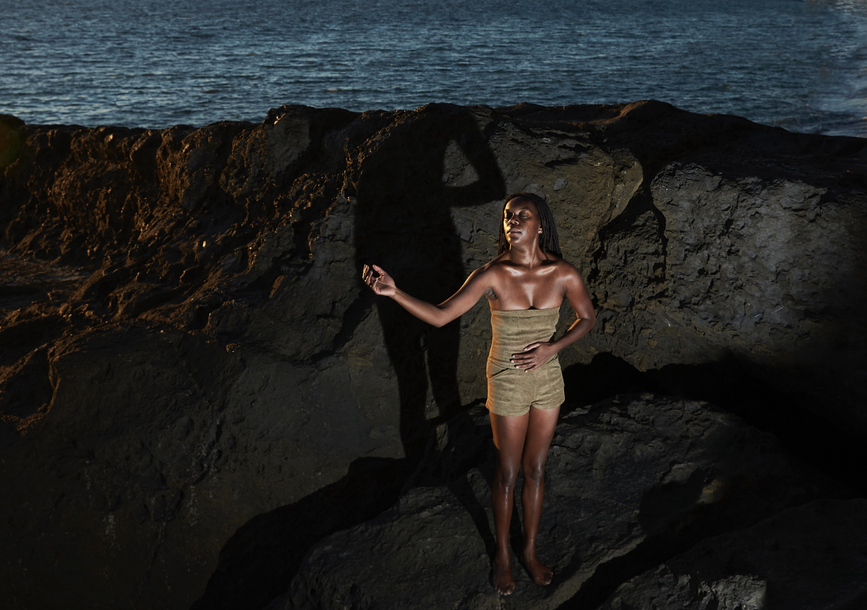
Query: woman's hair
x=548, y=240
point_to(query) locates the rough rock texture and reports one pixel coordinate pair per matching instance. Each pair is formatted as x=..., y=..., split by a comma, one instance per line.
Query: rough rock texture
x=813, y=556
x=628, y=479
x=189, y=359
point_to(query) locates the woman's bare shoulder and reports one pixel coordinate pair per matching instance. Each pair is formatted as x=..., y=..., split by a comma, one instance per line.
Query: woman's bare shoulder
x=489, y=276
x=492, y=267
x=565, y=269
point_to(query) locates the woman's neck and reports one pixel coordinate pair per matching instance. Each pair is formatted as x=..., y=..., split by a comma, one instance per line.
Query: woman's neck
x=528, y=257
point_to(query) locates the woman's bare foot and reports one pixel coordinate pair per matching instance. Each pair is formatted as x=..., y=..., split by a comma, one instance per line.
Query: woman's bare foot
x=502, y=577
x=539, y=573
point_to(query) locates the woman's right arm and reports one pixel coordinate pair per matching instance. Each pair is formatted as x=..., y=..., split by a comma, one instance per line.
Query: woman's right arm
x=437, y=315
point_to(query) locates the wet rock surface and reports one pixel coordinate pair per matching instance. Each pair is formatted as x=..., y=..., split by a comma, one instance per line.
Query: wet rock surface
x=196, y=389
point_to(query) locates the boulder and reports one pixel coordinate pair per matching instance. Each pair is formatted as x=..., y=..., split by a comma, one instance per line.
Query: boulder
x=627, y=481
x=189, y=354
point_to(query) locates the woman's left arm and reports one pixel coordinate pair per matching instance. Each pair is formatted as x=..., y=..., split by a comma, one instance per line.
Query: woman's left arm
x=537, y=354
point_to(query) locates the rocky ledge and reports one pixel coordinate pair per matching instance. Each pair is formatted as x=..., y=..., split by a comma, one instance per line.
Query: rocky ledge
x=629, y=481
x=198, y=396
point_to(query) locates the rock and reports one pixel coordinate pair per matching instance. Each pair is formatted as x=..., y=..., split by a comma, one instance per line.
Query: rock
x=628, y=480
x=188, y=352
x=807, y=557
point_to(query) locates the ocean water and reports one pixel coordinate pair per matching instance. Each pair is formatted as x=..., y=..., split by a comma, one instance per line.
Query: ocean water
x=799, y=64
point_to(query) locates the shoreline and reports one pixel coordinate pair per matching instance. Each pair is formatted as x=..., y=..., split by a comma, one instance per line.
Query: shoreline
x=857, y=127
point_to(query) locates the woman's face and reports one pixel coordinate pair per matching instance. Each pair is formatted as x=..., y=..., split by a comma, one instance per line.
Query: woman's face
x=521, y=221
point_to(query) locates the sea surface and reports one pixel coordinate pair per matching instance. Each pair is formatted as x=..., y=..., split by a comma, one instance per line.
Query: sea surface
x=798, y=64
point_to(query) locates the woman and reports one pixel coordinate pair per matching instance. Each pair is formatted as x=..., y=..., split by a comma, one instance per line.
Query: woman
x=525, y=286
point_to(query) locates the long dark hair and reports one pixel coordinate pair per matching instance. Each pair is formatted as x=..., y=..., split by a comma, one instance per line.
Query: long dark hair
x=548, y=240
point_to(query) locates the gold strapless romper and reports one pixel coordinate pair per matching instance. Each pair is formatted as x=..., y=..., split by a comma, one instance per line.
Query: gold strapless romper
x=513, y=391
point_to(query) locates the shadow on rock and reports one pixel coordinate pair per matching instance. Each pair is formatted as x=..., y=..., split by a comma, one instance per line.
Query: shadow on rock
x=731, y=385
x=410, y=182
x=807, y=557
x=824, y=444
x=605, y=376
x=260, y=559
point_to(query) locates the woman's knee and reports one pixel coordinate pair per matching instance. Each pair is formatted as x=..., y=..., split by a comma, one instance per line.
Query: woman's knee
x=507, y=474
x=534, y=470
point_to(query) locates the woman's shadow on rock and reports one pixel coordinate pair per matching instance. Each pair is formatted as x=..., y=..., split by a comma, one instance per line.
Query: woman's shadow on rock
x=406, y=179
x=406, y=185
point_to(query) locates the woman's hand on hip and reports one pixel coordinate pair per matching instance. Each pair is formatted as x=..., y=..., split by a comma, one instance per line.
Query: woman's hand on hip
x=533, y=356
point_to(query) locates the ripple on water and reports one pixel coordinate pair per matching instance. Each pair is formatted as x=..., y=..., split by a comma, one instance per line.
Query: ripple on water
x=800, y=65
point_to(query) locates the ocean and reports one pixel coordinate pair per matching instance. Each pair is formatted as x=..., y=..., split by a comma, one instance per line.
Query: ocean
x=797, y=64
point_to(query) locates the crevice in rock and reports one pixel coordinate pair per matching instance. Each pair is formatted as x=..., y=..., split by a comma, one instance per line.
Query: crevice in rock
x=24, y=336
x=26, y=388
x=652, y=551
x=560, y=162
x=641, y=202
x=201, y=313
x=663, y=240
x=627, y=223
x=728, y=384
x=305, y=220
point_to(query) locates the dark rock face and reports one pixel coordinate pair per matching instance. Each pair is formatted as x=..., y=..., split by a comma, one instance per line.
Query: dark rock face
x=198, y=364
x=764, y=566
x=625, y=482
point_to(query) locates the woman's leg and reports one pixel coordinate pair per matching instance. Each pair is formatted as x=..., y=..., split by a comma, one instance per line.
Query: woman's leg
x=540, y=431
x=509, y=436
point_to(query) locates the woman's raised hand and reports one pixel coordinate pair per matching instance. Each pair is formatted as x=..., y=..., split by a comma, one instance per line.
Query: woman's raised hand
x=381, y=283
